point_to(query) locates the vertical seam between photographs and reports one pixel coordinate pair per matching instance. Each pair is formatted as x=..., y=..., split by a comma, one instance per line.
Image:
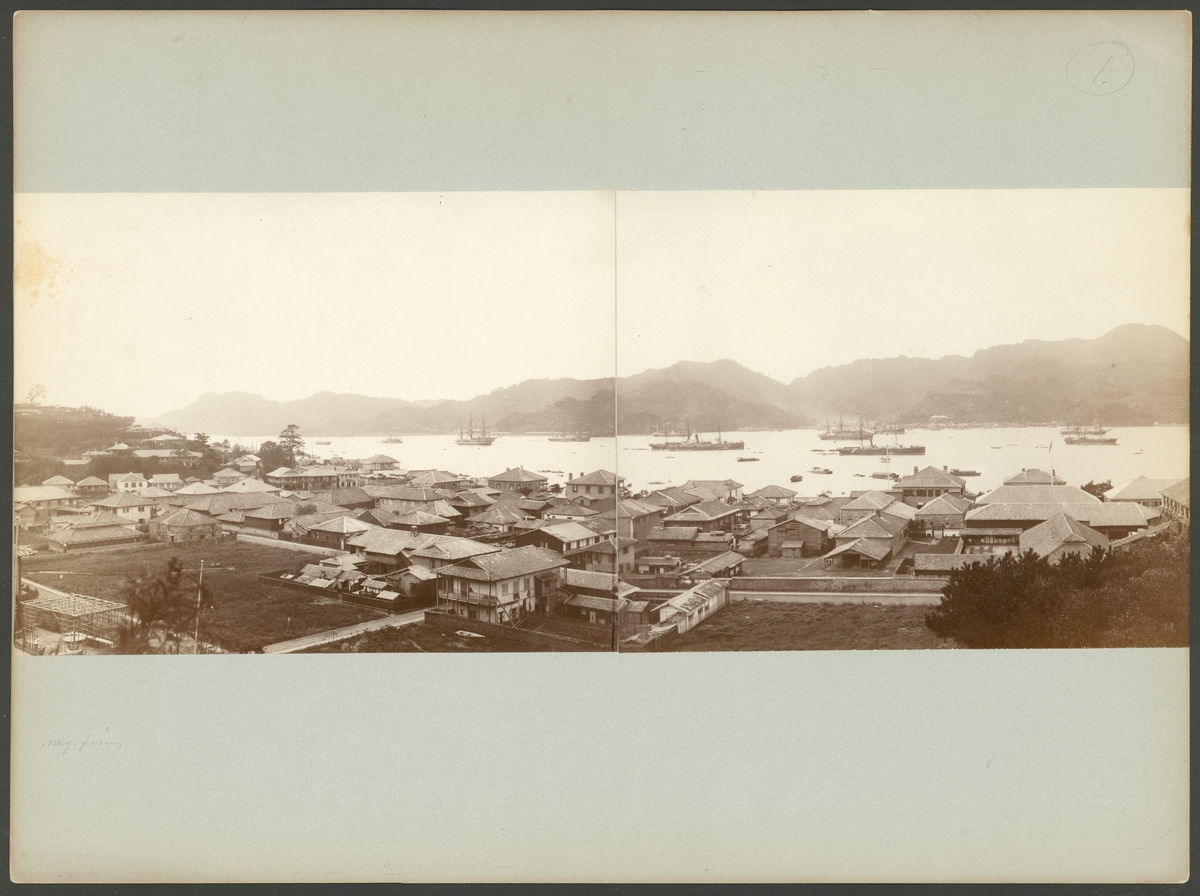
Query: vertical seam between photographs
x=616, y=614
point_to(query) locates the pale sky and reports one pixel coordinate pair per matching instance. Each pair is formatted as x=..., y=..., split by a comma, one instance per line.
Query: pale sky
x=140, y=303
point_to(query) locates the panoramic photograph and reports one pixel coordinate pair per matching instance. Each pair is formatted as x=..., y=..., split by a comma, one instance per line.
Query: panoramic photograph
x=595, y=421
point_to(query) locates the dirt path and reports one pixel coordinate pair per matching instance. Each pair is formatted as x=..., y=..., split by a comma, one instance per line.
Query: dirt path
x=348, y=631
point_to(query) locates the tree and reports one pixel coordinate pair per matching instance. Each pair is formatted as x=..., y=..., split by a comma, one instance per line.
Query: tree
x=272, y=456
x=1098, y=488
x=161, y=608
x=35, y=394
x=292, y=443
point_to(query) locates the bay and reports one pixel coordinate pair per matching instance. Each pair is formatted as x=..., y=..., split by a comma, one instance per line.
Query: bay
x=1159, y=452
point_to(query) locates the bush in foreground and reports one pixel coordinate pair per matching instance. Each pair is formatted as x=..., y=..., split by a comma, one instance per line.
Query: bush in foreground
x=1135, y=598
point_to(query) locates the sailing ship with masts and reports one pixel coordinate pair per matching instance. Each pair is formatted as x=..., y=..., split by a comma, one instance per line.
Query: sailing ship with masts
x=576, y=435
x=471, y=436
x=844, y=433
x=1088, y=435
x=692, y=442
x=870, y=448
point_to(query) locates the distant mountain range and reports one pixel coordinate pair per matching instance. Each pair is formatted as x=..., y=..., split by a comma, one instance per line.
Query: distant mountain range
x=1134, y=375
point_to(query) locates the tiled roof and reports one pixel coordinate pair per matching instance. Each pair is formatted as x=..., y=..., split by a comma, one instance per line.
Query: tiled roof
x=697, y=597
x=98, y=518
x=672, y=497
x=868, y=547
x=124, y=499
x=596, y=581
x=198, y=488
x=517, y=474
x=507, y=564
x=1120, y=513
x=721, y=562
x=1037, y=494
x=945, y=505
x=91, y=534
x=342, y=525
x=280, y=510
x=245, y=486
x=597, y=477
x=706, y=511
x=58, y=482
x=92, y=481
x=1058, y=531
x=1140, y=489
x=154, y=492
x=185, y=518
x=419, y=518
x=719, y=484
x=872, y=500
x=931, y=477
x=900, y=510
x=1180, y=492
x=165, y=477
x=500, y=515
x=774, y=491
x=406, y=493
x=1034, y=476
x=875, y=526
x=673, y=533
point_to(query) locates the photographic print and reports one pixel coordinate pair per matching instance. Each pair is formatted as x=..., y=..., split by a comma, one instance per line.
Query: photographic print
x=432, y=429
x=691, y=421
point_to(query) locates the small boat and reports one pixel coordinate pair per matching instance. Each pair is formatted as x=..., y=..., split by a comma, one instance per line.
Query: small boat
x=821, y=471
x=746, y=460
x=319, y=442
x=393, y=440
x=796, y=477
x=955, y=471
x=882, y=475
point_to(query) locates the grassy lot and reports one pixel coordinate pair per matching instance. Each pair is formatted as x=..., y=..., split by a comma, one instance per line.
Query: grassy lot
x=763, y=625
x=421, y=637
x=249, y=614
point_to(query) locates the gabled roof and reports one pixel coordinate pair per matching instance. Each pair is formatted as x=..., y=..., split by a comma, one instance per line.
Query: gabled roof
x=518, y=475
x=1037, y=494
x=569, y=530
x=597, y=477
x=868, y=547
x=945, y=505
x=1180, y=492
x=672, y=497
x=406, y=493
x=827, y=526
x=705, y=511
x=1140, y=489
x=931, y=477
x=673, y=533
x=164, y=477
x=774, y=492
x=124, y=499
x=507, y=564
x=875, y=526
x=697, y=597
x=433, y=478
x=184, y=518
x=198, y=488
x=280, y=510
x=92, y=481
x=900, y=510
x=501, y=515
x=1058, y=531
x=469, y=499
x=154, y=491
x=872, y=500
x=228, y=473
x=719, y=484
x=1034, y=476
x=58, y=482
x=720, y=563
x=99, y=518
x=127, y=477
x=91, y=534
x=380, y=459
x=419, y=518
x=342, y=525
x=450, y=548
x=1120, y=513
x=346, y=496
x=245, y=486
x=596, y=581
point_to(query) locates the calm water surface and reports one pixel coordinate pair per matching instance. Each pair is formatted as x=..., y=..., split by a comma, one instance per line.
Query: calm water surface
x=1155, y=451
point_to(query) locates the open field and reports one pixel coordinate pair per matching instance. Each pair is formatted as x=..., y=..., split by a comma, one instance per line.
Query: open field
x=763, y=625
x=249, y=613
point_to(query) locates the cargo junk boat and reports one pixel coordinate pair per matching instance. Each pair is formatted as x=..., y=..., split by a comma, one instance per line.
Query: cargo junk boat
x=691, y=442
x=470, y=437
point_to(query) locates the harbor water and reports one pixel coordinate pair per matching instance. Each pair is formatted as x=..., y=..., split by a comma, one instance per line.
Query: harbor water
x=1159, y=452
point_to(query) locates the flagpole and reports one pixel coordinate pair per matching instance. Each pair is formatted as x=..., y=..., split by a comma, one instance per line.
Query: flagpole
x=199, y=591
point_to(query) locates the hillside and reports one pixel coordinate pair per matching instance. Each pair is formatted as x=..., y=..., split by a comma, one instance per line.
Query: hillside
x=1134, y=375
